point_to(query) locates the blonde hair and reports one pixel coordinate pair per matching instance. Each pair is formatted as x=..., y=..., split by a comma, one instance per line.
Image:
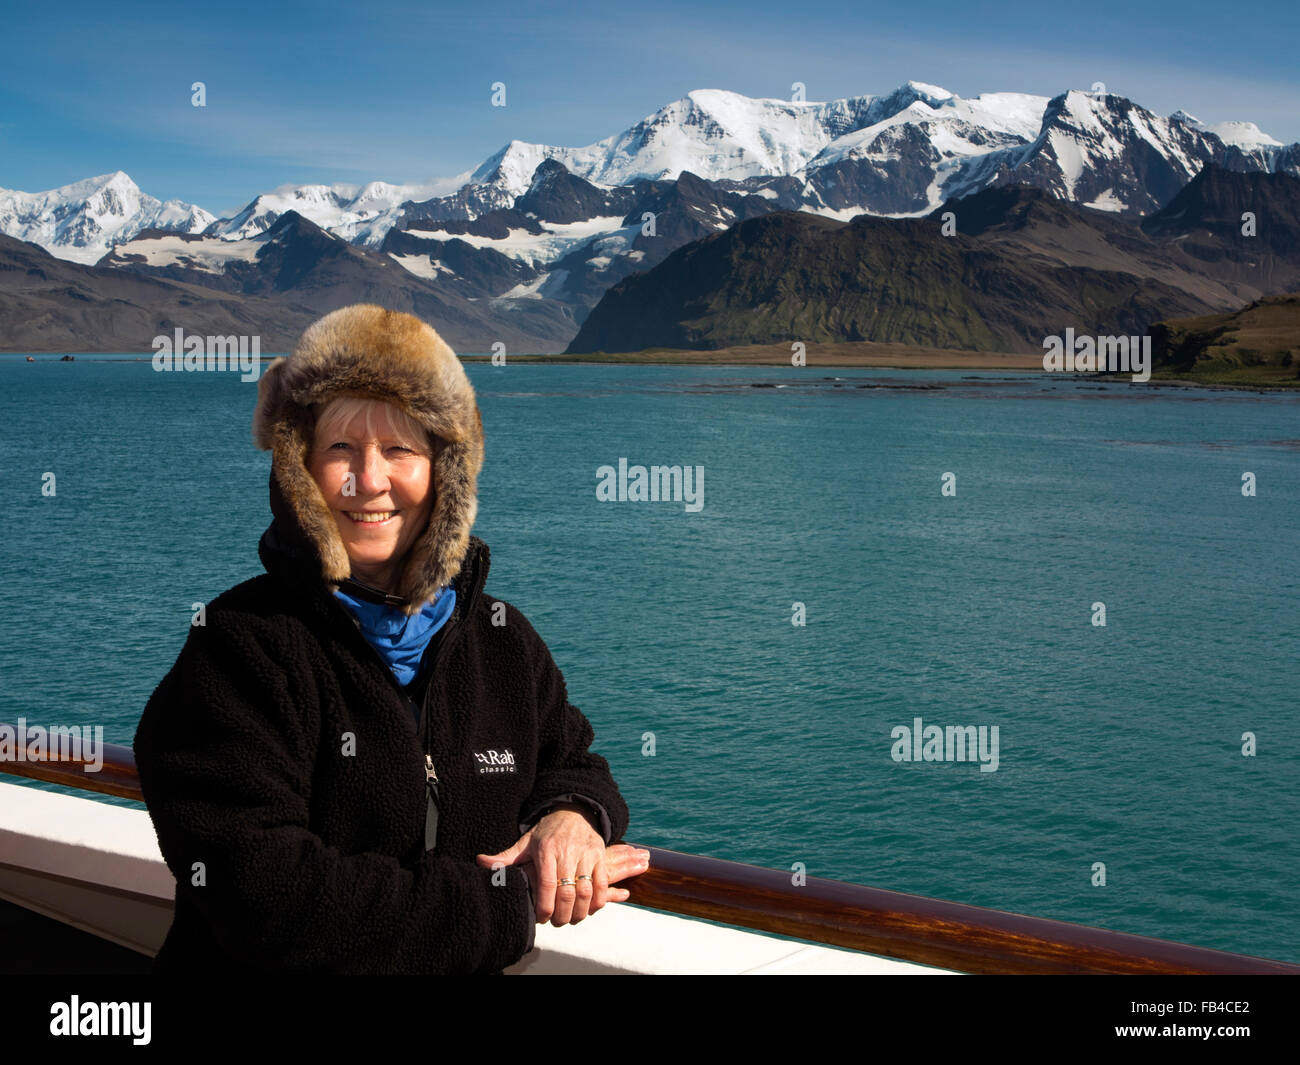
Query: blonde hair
x=339, y=413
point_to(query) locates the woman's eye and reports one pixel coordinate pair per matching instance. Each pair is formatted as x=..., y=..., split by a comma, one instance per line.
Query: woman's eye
x=343, y=445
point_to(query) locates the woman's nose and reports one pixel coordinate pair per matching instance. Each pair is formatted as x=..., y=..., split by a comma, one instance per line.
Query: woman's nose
x=372, y=477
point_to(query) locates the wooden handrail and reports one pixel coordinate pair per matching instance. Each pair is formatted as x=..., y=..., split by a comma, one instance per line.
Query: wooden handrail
x=947, y=935
x=117, y=776
x=915, y=928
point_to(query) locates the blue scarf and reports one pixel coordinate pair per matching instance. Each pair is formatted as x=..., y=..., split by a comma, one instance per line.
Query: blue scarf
x=401, y=638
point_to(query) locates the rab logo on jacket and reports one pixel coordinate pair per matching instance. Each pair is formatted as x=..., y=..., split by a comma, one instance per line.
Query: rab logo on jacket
x=495, y=761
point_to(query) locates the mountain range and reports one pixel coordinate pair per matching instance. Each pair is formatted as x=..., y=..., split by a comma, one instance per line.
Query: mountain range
x=521, y=249
x=272, y=286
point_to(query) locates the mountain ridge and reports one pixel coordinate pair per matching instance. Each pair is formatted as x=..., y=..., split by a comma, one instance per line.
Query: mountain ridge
x=1019, y=265
x=902, y=152
x=279, y=284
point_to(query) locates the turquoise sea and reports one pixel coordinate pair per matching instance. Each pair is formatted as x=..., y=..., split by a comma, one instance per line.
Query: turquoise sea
x=1119, y=744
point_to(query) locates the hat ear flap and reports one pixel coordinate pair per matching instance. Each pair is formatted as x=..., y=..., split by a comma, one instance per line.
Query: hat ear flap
x=291, y=447
x=271, y=397
x=436, y=556
x=284, y=428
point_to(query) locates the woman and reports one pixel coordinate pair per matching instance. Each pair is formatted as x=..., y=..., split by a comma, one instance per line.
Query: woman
x=361, y=762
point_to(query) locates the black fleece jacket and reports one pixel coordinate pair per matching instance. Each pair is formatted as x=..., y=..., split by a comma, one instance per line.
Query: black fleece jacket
x=284, y=770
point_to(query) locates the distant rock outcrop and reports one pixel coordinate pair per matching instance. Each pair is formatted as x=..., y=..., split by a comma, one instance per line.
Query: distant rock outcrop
x=1261, y=341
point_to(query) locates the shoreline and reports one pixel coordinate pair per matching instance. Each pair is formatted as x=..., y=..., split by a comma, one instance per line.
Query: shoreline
x=868, y=354
x=863, y=354
x=841, y=356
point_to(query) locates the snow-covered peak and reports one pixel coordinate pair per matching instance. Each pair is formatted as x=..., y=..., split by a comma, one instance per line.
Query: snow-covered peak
x=353, y=212
x=742, y=108
x=512, y=167
x=176, y=216
x=953, y=127
x=1104, y=150
x=81, y=221
x=718, y=134
x=1086, y=111
x=910, y=92
x=118, y=182
x=381, y=195
x=714, y=133
x=932, y=92
x=1243, y=134
x=107, y=191
x=1103, y=124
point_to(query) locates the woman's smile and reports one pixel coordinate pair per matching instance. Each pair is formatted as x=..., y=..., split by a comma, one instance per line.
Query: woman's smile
x=371, y=517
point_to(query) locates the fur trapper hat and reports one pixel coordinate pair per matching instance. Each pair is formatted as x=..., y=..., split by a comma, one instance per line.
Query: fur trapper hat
x=365, y=350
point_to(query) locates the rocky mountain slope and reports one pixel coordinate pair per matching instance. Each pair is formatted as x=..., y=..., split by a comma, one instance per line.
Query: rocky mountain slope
x=272, y=286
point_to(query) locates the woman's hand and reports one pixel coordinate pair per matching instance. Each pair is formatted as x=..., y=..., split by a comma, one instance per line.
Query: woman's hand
x=564, y=846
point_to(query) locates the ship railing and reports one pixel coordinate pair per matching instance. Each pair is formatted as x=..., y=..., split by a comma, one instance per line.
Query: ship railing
x=911, y=928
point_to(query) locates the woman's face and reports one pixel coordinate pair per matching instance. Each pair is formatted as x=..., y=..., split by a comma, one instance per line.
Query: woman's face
x=384, y=505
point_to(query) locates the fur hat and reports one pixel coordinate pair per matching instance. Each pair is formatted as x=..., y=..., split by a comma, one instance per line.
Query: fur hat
x=365, y=350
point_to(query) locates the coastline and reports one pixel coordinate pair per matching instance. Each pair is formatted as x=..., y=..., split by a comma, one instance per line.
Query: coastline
x=868, y=354
x=864, y=354
x=850, y=354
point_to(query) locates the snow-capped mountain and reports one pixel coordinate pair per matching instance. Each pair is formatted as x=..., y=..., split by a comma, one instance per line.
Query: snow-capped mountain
x=1241, y=134
x=713, y=133
x=901, y=153
x=919, y=144
x=358, y=213
x=82, y=221
x=536, y=220
x=1106, y=152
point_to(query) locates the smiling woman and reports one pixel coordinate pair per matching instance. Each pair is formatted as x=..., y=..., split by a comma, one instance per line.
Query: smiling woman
x=361, y=762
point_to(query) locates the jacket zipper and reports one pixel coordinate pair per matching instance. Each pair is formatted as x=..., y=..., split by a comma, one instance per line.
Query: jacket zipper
x=430, y=773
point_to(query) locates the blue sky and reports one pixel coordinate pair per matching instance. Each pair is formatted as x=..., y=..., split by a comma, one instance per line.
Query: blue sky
x=324, y=91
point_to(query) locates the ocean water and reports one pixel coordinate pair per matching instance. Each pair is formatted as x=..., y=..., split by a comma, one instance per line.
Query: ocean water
x=772, y=741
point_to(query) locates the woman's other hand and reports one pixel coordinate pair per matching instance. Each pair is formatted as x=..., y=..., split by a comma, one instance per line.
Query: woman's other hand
x=564, y=846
